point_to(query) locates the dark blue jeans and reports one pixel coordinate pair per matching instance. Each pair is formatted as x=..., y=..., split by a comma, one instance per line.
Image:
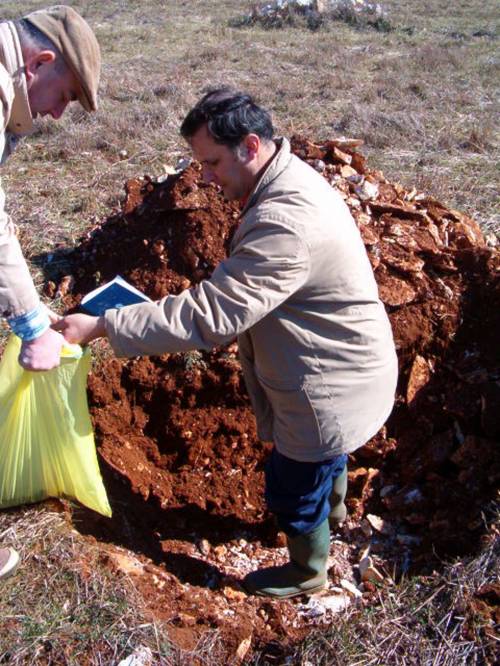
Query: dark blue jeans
x=298, y=493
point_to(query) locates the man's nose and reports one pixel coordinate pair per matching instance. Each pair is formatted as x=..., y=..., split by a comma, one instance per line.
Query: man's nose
x=208, y=175
x=58, y=110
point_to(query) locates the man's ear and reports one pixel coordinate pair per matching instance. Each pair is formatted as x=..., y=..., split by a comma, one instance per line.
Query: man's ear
x=35, y=60
x=252, y=144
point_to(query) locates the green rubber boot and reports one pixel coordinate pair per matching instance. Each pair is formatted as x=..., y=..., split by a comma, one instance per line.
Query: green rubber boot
x=338, y=510
x=304, y=574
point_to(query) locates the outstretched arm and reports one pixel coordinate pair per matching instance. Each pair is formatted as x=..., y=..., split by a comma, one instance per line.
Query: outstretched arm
x=81, y=328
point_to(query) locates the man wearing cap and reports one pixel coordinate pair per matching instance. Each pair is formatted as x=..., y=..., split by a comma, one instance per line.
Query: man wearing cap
x=48, y=59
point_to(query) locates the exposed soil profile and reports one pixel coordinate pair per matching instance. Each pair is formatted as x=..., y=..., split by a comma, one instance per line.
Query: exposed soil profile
x=176, y=434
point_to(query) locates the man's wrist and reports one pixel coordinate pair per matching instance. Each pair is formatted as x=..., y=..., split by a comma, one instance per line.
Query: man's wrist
x=100, y=329
x=30, y=325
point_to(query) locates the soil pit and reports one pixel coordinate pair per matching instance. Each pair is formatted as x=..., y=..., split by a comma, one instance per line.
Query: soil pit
x=176, y=434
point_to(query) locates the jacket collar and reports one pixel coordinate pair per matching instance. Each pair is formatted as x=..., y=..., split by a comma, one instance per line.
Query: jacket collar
x=11, y=57
x=278, y=164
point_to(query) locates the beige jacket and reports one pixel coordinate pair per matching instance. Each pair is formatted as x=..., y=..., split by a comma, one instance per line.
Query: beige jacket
x=17, y=292
x=298, y=291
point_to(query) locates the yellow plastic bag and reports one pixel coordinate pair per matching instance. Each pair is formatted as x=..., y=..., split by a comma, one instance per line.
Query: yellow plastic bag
x=47, y=444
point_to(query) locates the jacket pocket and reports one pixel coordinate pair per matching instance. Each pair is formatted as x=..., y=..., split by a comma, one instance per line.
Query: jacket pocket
x=304, y=420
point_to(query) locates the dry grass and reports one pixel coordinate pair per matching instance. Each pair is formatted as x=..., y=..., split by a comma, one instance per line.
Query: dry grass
x=422, y=620
x=63, y=607
x=423, y=96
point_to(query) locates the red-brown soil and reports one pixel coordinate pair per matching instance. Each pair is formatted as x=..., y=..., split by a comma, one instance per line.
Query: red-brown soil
x=176, y=435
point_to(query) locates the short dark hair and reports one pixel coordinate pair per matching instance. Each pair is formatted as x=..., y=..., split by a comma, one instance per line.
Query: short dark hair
x=229, y=116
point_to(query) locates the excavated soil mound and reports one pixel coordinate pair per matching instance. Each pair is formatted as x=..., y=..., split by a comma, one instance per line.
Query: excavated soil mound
x=176, y=434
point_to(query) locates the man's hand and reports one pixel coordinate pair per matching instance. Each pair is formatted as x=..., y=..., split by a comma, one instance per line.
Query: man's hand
x=81, y=328
x=42, y=353
x=53, y=316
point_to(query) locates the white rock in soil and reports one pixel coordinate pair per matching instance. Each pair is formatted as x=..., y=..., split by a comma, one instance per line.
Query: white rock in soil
x=491, y=239
x=318, y=607
x=367, y=191
x=183, y=163
x=351, y=588
x=379, y=524
x=366, y=528
x=204, y=547
x=368, y=572
x=141, y=656
x=243, y=648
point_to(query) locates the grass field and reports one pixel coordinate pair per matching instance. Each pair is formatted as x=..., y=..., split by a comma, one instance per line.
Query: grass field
x=423, y=95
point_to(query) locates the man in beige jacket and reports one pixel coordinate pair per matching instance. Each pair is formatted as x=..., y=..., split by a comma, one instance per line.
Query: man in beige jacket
x=314, y=339
x=48, y=59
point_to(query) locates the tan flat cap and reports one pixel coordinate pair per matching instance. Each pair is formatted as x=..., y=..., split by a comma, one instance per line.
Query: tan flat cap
x=72, y=35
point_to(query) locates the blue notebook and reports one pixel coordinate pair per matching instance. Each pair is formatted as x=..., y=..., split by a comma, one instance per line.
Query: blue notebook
x=114, y=294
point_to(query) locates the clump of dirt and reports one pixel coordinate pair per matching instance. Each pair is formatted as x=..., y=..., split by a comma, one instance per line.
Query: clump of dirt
x=176, y=434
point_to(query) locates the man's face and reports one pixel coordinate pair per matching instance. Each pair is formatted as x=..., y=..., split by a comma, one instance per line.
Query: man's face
x=51, y=89
x=222, y=165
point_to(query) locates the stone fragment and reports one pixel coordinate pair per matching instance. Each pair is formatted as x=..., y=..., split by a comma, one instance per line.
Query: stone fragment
x=491, y=239
x=334, y=603
x=243, y=648
x=403, y=211
x=160, y=584
x=420, y=375
x=141, y=656
x=358, y=163
x=401, y=260
x=280, y=540
x=344, y=144
x=183, y=163
x=368, y=235
x=204, y=547
x=362, y=219
x=367, y=190
x=126, y=563
x=368, y=572
x=466, y=234
x=394, y=291
x=169, y=170
x=342, y=157
x=379, y=524
x=346, y=171
x=65, y=286
x=50, y=289
x=351, y=588
x=233, y=594
x=185, y=619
